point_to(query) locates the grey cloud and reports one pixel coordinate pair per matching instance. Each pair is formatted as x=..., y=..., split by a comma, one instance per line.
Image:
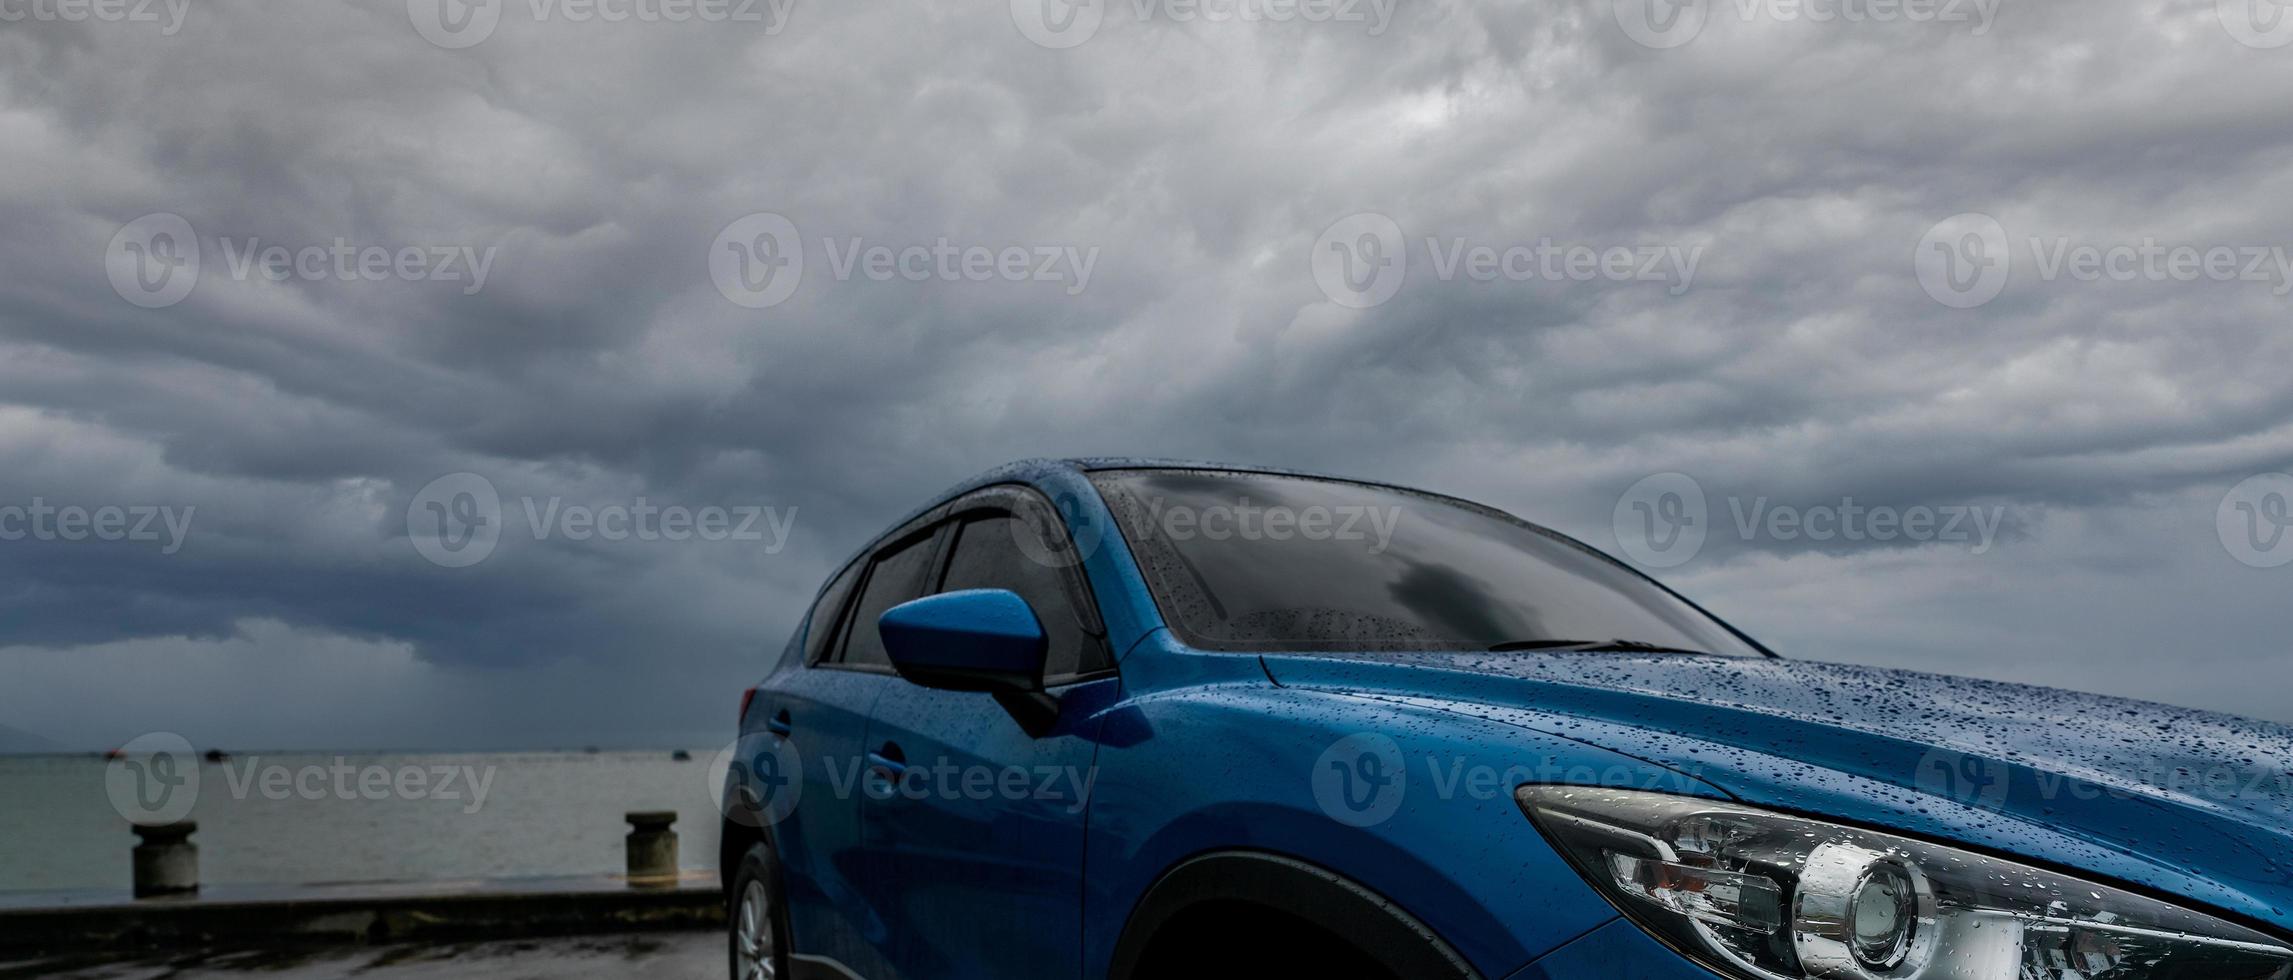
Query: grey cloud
x=600, y=364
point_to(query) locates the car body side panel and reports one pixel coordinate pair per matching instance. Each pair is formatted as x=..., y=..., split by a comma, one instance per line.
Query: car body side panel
x=819, y=842
x=980, y=859
x=1197, y=762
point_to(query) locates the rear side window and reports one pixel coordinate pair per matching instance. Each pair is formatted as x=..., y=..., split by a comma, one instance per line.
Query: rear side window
x=986, y=555
x=896, y=577
x=820, y=631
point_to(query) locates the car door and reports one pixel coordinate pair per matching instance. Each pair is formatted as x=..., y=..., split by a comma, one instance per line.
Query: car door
x=980, y=838
x=821, y=712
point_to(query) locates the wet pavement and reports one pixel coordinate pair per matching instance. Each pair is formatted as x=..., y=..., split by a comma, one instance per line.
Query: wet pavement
x=655, y=956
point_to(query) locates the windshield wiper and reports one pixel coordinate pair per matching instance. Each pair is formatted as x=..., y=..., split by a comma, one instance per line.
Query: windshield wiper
x=1594, y=646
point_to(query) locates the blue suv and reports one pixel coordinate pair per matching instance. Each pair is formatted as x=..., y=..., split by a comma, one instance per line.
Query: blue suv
x=1118, y=718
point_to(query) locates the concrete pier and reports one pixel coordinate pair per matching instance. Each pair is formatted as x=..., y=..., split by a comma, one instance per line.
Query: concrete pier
x=652, y=955
x=167, y=909
x=277, y=916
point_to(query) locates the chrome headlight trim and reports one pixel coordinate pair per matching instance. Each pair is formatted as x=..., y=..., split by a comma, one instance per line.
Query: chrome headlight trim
x=1699, y=870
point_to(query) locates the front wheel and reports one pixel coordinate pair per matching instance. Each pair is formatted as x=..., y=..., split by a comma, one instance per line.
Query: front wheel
x=758, y=925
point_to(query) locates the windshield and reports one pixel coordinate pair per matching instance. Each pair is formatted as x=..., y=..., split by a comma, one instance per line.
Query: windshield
x=1255, y=561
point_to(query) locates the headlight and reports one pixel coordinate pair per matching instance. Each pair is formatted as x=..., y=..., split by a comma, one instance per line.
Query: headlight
x=1762, y=896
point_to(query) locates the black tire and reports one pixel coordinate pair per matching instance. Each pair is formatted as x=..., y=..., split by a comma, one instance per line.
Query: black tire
x=758, y=876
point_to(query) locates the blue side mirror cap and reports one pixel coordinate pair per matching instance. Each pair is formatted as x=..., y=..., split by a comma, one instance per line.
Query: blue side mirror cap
x=974, y=640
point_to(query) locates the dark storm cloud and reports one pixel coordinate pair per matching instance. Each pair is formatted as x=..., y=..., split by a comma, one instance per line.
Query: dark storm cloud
x=1194, y=164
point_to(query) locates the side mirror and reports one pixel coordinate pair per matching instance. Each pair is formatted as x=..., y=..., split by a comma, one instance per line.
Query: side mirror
x=975, y=640
x=985, y=640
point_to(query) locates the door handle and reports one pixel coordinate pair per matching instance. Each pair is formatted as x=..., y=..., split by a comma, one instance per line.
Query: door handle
x=889, y=760
x=885, y=767
x=780, y=725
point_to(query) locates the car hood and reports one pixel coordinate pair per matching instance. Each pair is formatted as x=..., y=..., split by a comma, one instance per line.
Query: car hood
x=2191, y=802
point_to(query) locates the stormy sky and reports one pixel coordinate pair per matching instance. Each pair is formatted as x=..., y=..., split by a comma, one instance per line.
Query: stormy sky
x=1624, y=267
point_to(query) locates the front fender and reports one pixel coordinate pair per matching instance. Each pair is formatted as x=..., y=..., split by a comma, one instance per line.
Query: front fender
x=1256, y=767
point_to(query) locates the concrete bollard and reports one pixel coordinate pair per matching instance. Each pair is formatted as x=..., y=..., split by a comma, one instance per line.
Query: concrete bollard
x=652, y=847
x=166, y=862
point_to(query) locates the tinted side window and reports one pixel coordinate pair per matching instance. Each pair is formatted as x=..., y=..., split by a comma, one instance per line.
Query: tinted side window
x=987, y=556
x=896, y=577
x=821, y=630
